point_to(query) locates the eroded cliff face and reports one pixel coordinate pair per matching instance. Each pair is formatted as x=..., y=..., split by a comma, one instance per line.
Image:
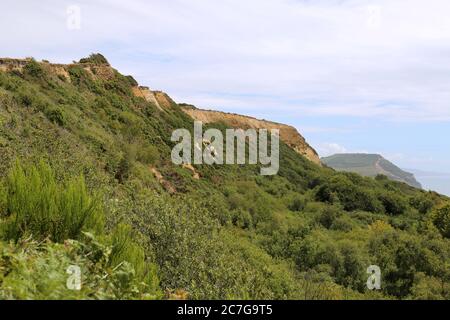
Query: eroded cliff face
x=164, y=100
x=7, y=64
x=147, y=94
x=158, y=98
x=288, y=134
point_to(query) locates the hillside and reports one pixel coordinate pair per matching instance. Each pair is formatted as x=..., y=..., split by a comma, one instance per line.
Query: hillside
x=87, y=181
x=288, y=134
x=370, y=165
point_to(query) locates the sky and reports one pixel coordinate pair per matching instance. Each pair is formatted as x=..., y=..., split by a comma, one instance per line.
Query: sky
x=351, y=76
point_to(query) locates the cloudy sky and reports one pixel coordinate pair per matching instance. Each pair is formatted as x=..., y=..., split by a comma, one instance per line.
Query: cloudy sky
x=351, y=75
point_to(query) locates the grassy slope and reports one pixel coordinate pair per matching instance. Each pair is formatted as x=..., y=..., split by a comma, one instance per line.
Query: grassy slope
x=307, y=233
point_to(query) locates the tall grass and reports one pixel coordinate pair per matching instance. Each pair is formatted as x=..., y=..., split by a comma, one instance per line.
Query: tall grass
x=36, y=204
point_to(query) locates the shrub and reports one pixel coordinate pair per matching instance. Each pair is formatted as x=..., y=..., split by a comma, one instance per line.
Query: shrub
x=381, y=177
x=343, y=223
x=95, y=58
x=82, y=79
x=328, y=216
x=126, y=163
x=126, y=250
x=148, y=154
x=351, y=270
x=429, y=288
x=33, y=69
x=8, y=82
x=441, y=219
x=393, y=203
x=242, y=219
x=119, y=84
x=38, y=271
x=36, y=204
x=325, y=194
x=25, y=97
x=422, y=203
x=56, y=115
x=351, y=197
x=194, y=255
x=313, y=250
x=297, y=204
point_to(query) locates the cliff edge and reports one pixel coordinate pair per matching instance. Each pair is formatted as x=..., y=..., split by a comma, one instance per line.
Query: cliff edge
x=288, y=134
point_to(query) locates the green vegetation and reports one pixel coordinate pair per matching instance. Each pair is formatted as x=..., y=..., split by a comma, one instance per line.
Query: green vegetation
x=78, y=187
x=441, y=219
x=95, y=58
x=37, y=206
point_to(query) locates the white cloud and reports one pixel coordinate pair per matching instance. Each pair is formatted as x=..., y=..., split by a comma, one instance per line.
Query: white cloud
x=368, y=58
x=331, y=148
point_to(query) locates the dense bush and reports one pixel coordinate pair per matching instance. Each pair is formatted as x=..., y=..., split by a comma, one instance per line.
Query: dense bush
x=352, y=197
x=328, y=216
x=126, y=250
x=32, y=270
x=324, y=193
x=26, y=97
x=83, y=80
x=393, y=203
x=441, y=219
x=33, y=69
x=95, y=58
x=192, y=254
x=297, y=204
x=56, y=115
x=422, y=203
x=37, y=205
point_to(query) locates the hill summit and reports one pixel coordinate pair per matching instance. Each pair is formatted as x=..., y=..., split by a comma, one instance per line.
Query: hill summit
x=370, y=165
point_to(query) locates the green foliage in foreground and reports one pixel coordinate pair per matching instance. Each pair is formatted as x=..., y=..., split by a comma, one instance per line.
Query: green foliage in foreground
x=84, y=192
x=32, y=270
x=36, y=205
x=441, y=218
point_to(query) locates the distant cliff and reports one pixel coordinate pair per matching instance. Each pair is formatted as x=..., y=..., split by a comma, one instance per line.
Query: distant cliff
x=370, y=165
x=288, y=134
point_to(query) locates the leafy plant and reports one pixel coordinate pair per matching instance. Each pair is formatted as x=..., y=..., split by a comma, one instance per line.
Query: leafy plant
x=36, y=204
